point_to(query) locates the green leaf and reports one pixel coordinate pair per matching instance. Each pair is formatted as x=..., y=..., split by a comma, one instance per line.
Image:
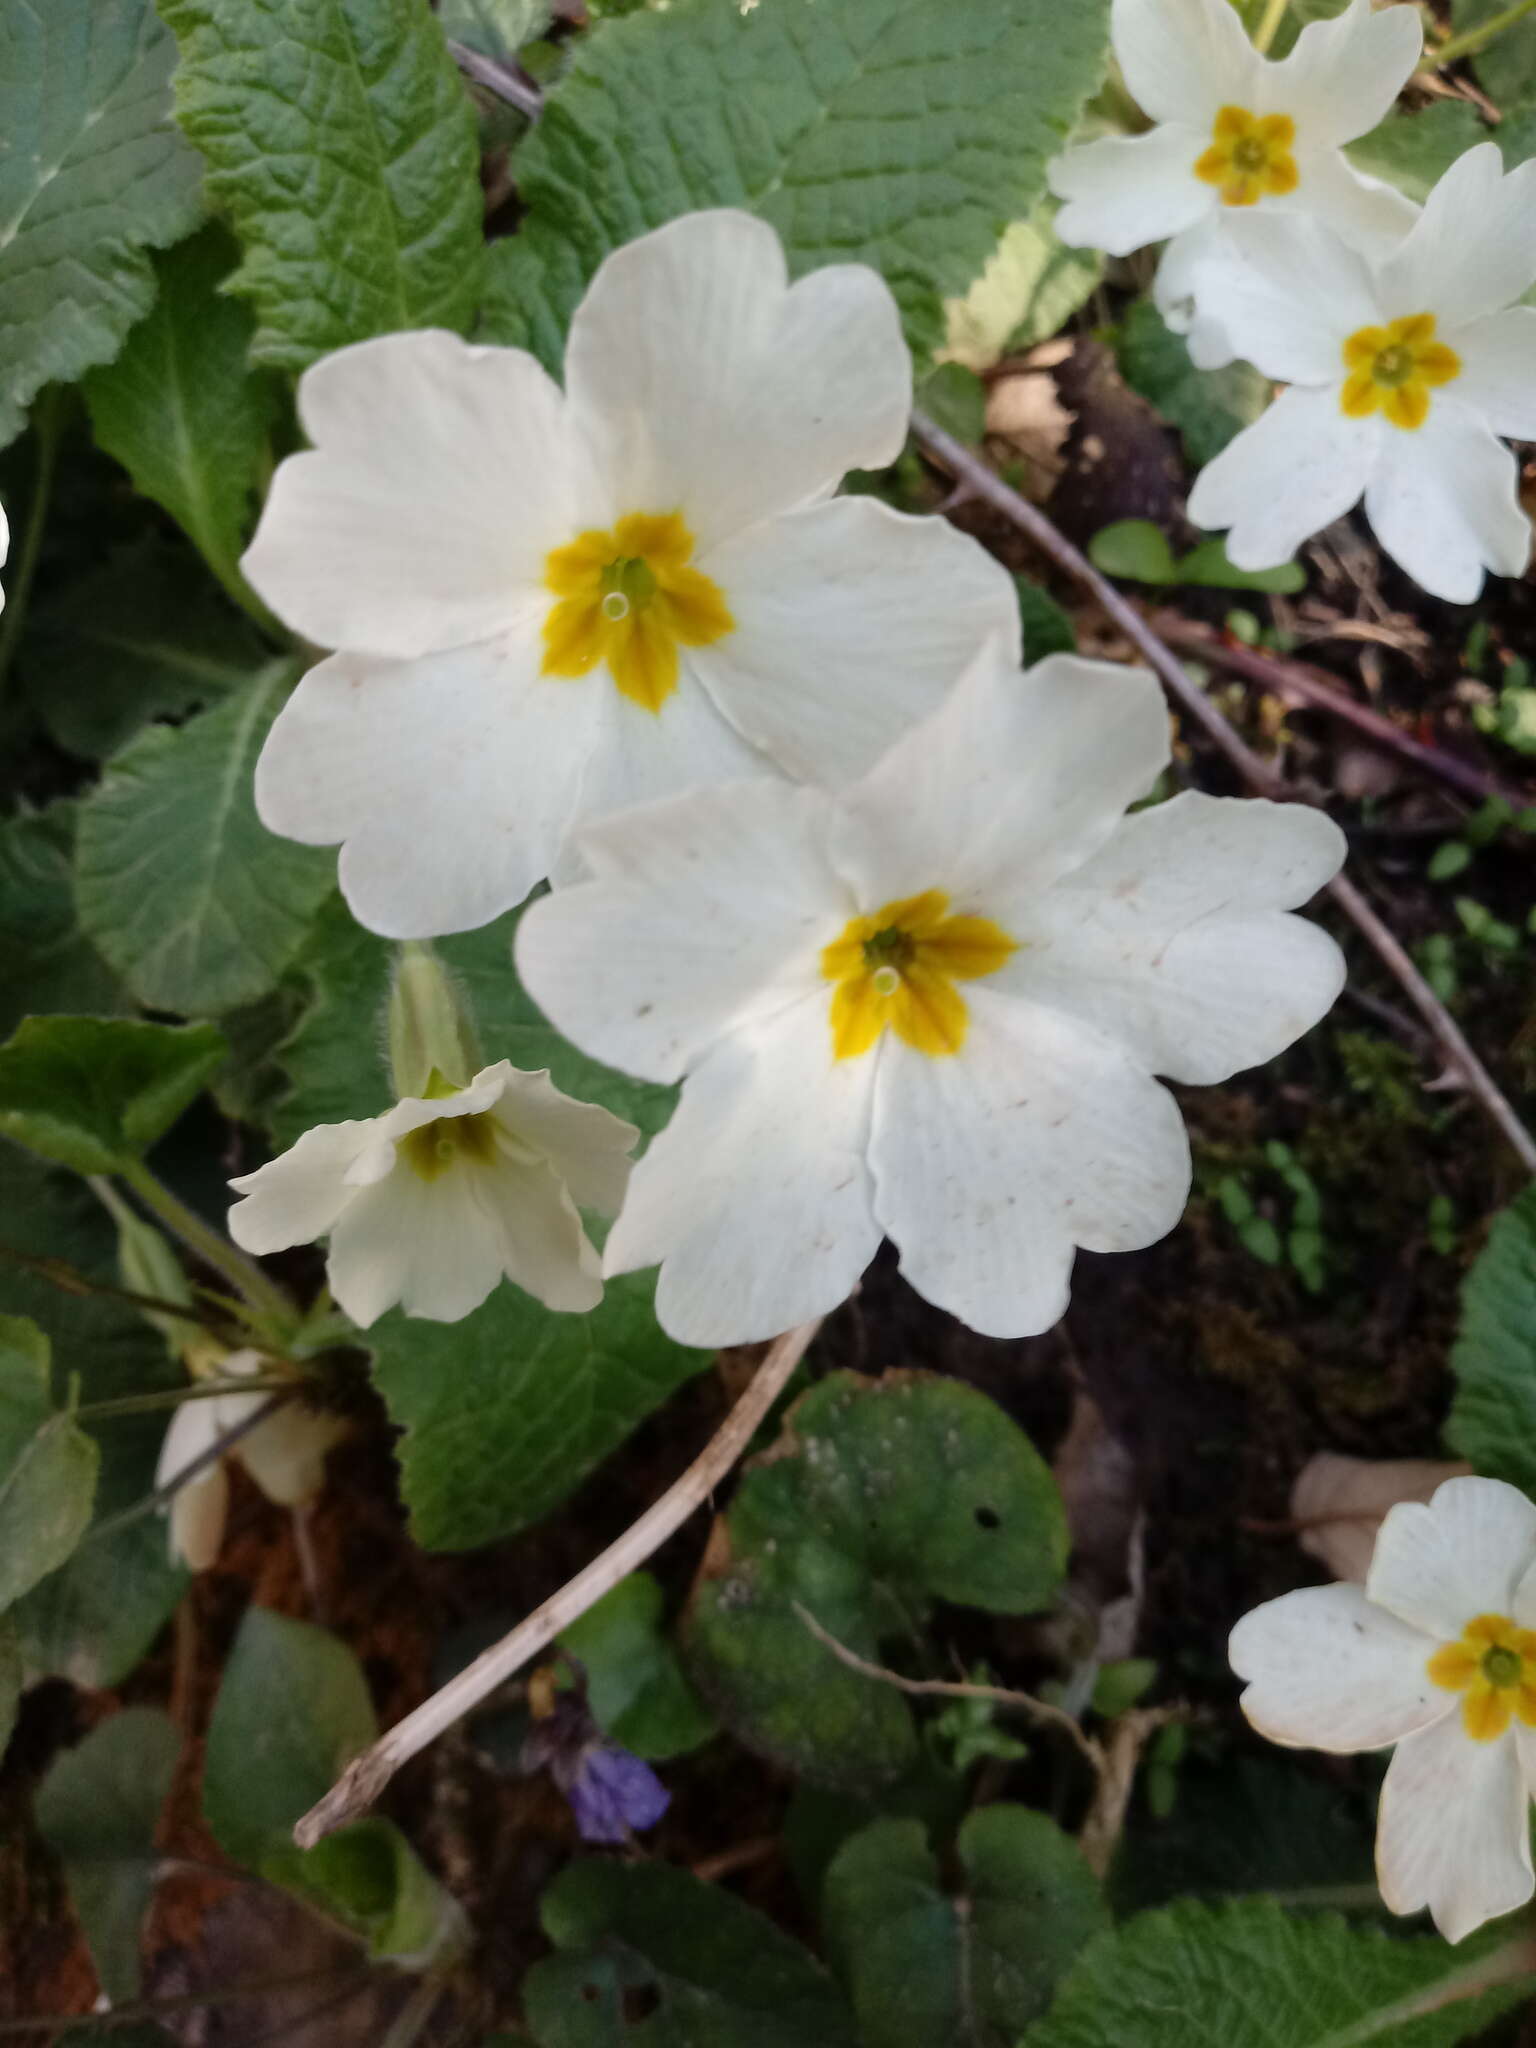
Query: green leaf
x=1493, y=1416
x=1196, y=1976
x=720, y=1975
x=50, y=966
x=635, y=1684
x=98, y=1809
x=91, y=176
x=333, y=1078
x=181, y=410
x=10, y=1678
x=92, y=1620
x=884, y=1497
x=96, y=1092
x=901, y=133
x=1414, y=151
x=1208, y=407
x=292, y=1711
x=1047, y=628
x=927, y=1968
x=496, y=28
x=179, y=883
x=506, y=1411
x=341, y=141
x=144, y=635
x=1208, y=567
x=1506, y=65
x=47, y=1465
x=1031, y=287
x=1134, y=549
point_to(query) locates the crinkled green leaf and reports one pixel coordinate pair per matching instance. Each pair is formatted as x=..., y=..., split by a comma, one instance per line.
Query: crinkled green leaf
x=1208, y=407
x=496, y=28
x=635, y=1684
x=901, y=133
x=50, y=965
x=885, y=1496
x=1194, y=1976
x=340, y=139
x=91, y=175
x=719, y=1974
x=505, y=1412
x=98, y=1809
x=178, y=882
x=96, y=1092
x=1506, y=65
x=1414, y=151
x=1032, y=285
x=1493, y=1416
x=1047, y=628
x=47, y=1465
x=927, y=1967
x=139, y=636
x=181, y=409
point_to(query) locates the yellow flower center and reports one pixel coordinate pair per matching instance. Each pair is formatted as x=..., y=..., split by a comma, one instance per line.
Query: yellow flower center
x=630, y=598
x=432, y=1149
x=1493, y=1667
x=1392, y=369
x=1250, y=156
x=899, y=966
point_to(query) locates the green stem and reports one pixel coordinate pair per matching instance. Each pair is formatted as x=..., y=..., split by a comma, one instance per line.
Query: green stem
x=1473, y=39
x=46, y=430
x=243, y=1274
x=173, y=1397
x=70, y=1280
x=1269, y=25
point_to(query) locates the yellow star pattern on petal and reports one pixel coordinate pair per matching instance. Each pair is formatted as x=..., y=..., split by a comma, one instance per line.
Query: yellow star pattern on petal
x=630, y=598
x=898, y=967
x=1250, y=157
x=1392, y=369
x=1493, y=1667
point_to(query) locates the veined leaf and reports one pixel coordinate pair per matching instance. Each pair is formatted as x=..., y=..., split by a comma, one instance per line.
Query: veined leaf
x=47, y=1465
x=94, y=1092
x=49, y=963
x=1493, y=1417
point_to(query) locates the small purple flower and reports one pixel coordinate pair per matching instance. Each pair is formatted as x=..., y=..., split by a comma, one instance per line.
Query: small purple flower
x=612, y=1793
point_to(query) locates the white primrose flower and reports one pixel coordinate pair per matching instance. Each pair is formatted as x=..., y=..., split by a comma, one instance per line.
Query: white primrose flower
x=1236, y=133
x=1403, y=376
x=433, y=1203
x=1437, y=1655
x=553, y=603
x=285, y=1456
x=931, y=1006
x=5, y=547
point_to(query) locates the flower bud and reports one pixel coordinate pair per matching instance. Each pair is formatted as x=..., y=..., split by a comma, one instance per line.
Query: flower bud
x=431, y=1034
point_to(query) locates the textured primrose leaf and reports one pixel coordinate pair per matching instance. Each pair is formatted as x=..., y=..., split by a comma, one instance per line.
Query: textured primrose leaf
x=927, y=1967
x=50, y=965
x=884, y=1496
x=178, y=882
x=719, y=1974
x=902, y=133
x=1493, y=1416
x=339, y=137
x=1414, y=151
x=182, y=411
x=635, y=1684
x=1195, y=1976
x=1506, y=66
x=96, y=1092
x=47, y=1465
x=1032, y=285
x=1208, y=407
x=92, y=173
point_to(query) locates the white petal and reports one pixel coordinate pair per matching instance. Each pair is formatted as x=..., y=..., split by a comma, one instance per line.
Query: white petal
x=704, y=911
x=1170, y=939
x=852, y=622
x=1441, y=1565
x=411, y=1112
x=1327, y=1670
x=440, y=478
x=430, y=1245
x=991, y=1164
x=1472, y=250
x=1176, y=295
x=285, y=1455
x=1123, y=191
x=587, y=1146
x=1453, y=1832
x=296, y=1197
x=1444, y=503
x=5, y=546
x=717, y=389
x=1289, y=293
x=1342, y=77
x=193, y=1428
x=1370, y=216
x=1013, y=781
x=198, y=1514
x=544, y=1249
x=1183, y=59
x=1498, y=370
x=756, y=1197
x=451, y=780
x=1300, y=466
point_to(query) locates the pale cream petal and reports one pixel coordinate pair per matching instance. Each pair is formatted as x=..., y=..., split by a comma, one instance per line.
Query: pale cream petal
x=587, y=1146
x=1438, y=1566
x=1343, y=76
x=1328, y=1670
x=1299, y=467
x=1472, y=250
x=1184, y=59
x=1121, y=192
x=1454, y=1829
x=1444, y=503
x=296, y=1197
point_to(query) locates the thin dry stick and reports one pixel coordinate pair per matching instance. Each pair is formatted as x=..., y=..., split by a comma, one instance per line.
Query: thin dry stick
x=982, y=482
x=1040, y=1711
x=365, y=1778
x=499, y=79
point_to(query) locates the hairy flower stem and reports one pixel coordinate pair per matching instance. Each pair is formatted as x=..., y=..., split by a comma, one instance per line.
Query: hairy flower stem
x=70, y=1280
x=175, y=1397
x=1472, y=40
x=1269, y=26
x=244, y=1275
x=46, y=429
